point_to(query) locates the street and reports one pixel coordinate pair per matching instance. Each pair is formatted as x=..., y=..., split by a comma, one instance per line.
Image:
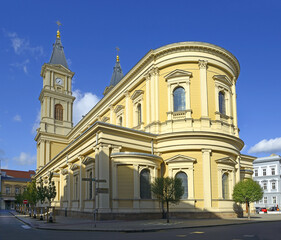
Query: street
x=12, y=228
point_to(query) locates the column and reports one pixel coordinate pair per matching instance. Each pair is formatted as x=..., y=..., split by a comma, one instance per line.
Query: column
x=220, y=183
x=136, y=186
x=69, y=85
x=66, y=85
x=204, y=93
x=42, y=153
x=152, y=99
x=81, y=183
x=127, y=106
x=111, y=114
x=238, y=177
x=147, y=91
x=52, y=80
x=61, y=197
x=47, y=151
x=207, y=181
x=103, y=171
x=234, y=107
x=52, y=108
x=69, y=180
x=156, y=82
x=190, y=175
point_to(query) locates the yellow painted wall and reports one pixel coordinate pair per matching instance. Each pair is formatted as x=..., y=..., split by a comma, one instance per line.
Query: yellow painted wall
x=56, y=148
x=125, y=186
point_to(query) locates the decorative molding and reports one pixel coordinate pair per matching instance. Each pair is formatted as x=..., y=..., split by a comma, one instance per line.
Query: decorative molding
x=118, y=108
x=136, y=94
x=202, y=64
x=87, y=160
x=180, y=158
x=223, y=78
x=64, y=171
x=226, y=160
x=178, y=73
x=105, y=119
x=74, y=167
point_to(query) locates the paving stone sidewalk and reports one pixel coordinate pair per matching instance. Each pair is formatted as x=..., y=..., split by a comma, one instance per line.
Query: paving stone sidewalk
x=79, y=224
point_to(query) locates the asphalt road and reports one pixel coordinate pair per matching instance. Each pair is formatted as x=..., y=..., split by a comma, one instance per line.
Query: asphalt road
x=11, y=228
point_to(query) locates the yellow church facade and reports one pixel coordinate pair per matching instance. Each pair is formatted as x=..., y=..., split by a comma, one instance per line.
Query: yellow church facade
x=173, y=114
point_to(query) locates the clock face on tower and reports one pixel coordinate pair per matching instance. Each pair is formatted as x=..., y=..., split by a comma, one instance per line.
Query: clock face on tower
x=59, y=81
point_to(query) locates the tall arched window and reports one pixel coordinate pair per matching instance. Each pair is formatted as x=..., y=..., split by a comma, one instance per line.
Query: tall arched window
x=58, y=112
x=120, y=121
x=179, y=99
x=145, y=188
x=183, y=177
x=139, y=114
x=221, y=102
x=91, y=186
x=225, y=186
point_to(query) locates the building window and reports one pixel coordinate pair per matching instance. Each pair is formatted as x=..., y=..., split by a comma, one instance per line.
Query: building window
x=256, y=172
x=183, y=177
x=139, y=117
x=76, y=187
x=179, y=99
x=58, y=112
x=90, y=186
x=272, y=171
x=264, y=199
x=264, y=172
x=8, y=190
x=264, y=186
x=225, y=186
x=273, y=185
x=121, y=121
x=145, y=188
x=274, y=200
x=221, y=102
x=17, y=190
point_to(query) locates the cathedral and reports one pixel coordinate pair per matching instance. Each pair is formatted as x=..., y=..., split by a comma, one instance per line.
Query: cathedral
x=173, y=114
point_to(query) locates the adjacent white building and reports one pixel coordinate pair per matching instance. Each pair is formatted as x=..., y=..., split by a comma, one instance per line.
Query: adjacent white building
x=267, y=173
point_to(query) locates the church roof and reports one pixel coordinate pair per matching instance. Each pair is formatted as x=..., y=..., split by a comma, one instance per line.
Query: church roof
x=58, y=56
x=117, y=74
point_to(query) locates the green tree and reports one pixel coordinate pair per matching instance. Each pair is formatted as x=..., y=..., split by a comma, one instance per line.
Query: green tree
x=168, y=190
x=246, y=192
x=51, y=189
x=32, y=195
x=41, y=193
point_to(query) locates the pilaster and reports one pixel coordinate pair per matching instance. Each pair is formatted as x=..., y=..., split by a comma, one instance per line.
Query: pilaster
x=207, y=181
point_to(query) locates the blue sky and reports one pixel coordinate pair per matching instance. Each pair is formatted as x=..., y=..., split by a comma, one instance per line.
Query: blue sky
x=91, y=30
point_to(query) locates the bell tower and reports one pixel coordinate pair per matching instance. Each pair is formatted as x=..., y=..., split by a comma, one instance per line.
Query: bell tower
x=56, y=105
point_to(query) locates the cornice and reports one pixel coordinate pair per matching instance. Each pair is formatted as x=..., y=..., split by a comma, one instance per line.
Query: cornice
x=56, y=67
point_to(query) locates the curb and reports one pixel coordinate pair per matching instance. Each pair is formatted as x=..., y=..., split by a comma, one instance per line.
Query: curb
x=140, y=230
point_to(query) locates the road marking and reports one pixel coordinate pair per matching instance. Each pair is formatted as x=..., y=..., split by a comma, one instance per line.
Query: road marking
x=25, y=227
x=197, y=232
x=249, y=236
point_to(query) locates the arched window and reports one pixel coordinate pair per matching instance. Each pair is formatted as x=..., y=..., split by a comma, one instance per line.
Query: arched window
x=225, y=186
x=179, y=99
x=58, y=112
x=139, y=114
x=120, y=121
x=221, y=102
x=183, y=177
x=91, y=186
x=145, y=188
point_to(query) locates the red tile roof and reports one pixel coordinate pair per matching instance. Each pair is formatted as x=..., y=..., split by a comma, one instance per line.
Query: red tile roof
x=18, y=174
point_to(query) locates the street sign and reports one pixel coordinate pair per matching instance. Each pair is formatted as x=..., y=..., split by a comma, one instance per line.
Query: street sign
x=93, y=179
x=25, y=201
x=102, y=190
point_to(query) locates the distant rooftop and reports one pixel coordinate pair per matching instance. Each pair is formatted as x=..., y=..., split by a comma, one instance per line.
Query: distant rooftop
x=272, y=157
x=7, y=173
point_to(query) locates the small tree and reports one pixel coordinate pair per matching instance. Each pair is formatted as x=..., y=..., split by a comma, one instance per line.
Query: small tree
x=168, y=190
x=246, y=192
x=41, y=194
x=51, y=192
x=32, y=195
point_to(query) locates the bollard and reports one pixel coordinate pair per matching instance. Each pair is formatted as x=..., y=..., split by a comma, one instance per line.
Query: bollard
x=65, y=212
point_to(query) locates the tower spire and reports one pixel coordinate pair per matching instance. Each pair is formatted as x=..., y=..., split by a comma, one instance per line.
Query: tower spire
x=58, y=56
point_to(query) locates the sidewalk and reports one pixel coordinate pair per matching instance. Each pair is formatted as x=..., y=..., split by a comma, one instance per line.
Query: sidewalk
x=78, y=224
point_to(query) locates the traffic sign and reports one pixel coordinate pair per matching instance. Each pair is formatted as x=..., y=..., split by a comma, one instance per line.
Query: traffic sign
x=25, y=201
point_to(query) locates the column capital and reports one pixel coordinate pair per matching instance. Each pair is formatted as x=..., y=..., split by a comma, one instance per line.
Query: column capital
x=126, y=93
x=206, y=150
x=154, y=71
x=202, y=64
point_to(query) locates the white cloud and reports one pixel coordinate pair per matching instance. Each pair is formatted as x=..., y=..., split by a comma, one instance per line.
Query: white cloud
x=83, y=103
x=22, y=65
x=17, y=118
x=267, y=146
x=25, y=159
x=36, y=124
x=21, y=45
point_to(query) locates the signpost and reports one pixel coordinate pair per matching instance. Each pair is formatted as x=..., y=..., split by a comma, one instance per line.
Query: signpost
x=97, y=191
x=25, y=201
